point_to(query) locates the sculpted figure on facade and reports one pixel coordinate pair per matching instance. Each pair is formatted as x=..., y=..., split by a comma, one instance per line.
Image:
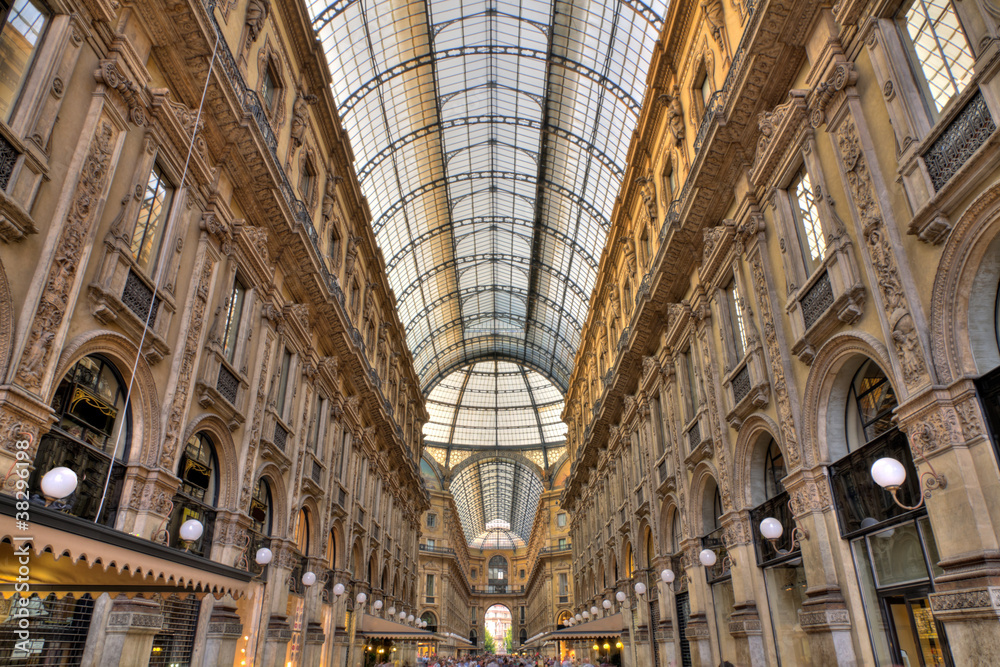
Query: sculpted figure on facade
x=257, y=13
x=675, y=117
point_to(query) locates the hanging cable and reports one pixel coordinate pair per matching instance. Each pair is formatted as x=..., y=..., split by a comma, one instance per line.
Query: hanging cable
x=156, y=286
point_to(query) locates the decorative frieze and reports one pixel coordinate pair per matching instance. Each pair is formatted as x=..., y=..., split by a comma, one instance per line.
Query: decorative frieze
x=903, y=329
x=73, y=243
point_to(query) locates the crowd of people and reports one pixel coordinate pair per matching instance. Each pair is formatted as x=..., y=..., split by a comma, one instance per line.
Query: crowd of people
x=490, y=660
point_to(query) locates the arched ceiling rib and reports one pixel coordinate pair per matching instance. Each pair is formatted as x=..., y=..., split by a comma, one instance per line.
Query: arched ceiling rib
x=501, y=493
x=490, y=139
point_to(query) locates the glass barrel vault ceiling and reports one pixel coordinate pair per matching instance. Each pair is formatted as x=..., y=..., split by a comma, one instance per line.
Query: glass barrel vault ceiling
x=490, y=139
x=496, y=501
x=495, y=404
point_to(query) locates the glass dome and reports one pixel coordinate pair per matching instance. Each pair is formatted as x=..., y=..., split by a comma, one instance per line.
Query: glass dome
x=495, y=404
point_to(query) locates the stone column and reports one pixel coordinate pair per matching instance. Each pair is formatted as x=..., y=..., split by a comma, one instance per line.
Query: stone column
x=129, y=632
x=224, y=631
x=745, y=627
x=949, y=430
x=313, y=645
x=279, y=633
x=824, y=615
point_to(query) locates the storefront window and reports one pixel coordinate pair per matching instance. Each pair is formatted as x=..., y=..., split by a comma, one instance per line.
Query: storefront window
x=892, y=569
x=786, y=591
x=91, y=436
x=724, y=599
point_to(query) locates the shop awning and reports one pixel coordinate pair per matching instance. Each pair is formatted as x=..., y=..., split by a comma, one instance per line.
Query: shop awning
x=70, y=554
x=449, y=638
x=609, y=626
x=374, y=627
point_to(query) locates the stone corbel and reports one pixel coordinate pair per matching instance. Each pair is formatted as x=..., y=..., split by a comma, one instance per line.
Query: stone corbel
x=111, y=74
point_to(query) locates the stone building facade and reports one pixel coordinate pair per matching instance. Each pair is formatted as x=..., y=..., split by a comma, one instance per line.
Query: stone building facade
x=801, y=279
x=195, y=318
x=459, y=583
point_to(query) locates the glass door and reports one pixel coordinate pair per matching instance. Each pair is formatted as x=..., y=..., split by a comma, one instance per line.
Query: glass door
x=914, y=635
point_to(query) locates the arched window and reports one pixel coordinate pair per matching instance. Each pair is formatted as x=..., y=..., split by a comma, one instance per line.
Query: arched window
x=302, y=532
x=91, y=436
x=198, y=493
x=673, y=533
x=473, y=638
x=431, y=620
x=649, y=548
x=331, y=550
x=774, y=470
x=523, y=637
x=629, y=561
x=498, y=571
x=260, y=507
x=870, y=403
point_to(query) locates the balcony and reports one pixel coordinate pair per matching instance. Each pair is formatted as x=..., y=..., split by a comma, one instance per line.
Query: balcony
x=777, y=508
x=498, y=589
x=436, y=550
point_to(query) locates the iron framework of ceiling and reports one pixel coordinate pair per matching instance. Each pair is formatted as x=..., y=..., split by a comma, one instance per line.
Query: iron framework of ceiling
x=493, y=490
x=490, y=139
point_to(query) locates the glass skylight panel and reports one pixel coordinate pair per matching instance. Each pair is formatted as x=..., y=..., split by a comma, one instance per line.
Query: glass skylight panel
x=490, y=104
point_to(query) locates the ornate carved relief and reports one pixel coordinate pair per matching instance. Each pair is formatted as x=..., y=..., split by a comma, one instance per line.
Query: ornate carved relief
x=179, y=404
x=779, y=385
x=72, y=243
x=905, y=338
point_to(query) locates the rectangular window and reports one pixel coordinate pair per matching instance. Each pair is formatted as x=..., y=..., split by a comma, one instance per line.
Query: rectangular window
x=939, y=51
x=736, y=323
x=669, y=183
x=691, y=389
x=286, y=365
x=430, y=544
x=431, y=520
x=561, y=520
x=808, y=229
x=563, y=543
x=563, y=584
x=234, y=315
x=269, y=88
x=20, y=36
x=706, y=92
x=430, y=585
x=315, y=425
x=152, y=220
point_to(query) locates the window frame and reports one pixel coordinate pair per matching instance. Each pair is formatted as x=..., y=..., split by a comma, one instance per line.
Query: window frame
x=150, y=266
x=22, y=93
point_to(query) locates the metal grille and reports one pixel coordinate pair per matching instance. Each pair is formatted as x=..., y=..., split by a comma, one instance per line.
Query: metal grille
x=227, y=384
x=694, y=436
x=137, y=296
x=280, y=436
x=317, y=471
x=8, y=158
x=654, y=626
x=58, y=630
x=970, y=130
x=663, y=470
x=341, y=497
x=683, y=614
x=816, y=301
x=361, y=516
x=638, y=496
x=741, y=384
x=175, y=642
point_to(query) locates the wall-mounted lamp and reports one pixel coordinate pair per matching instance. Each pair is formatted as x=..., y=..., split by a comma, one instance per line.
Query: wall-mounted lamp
x=772, y=531
x=890, y=475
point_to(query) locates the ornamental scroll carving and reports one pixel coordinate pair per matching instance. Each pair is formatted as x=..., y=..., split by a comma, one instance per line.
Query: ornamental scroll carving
x=786, y=421
x=258, y=418
x=191, y=345
x=905, y=338
x=72, y=243
x=112, y=75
